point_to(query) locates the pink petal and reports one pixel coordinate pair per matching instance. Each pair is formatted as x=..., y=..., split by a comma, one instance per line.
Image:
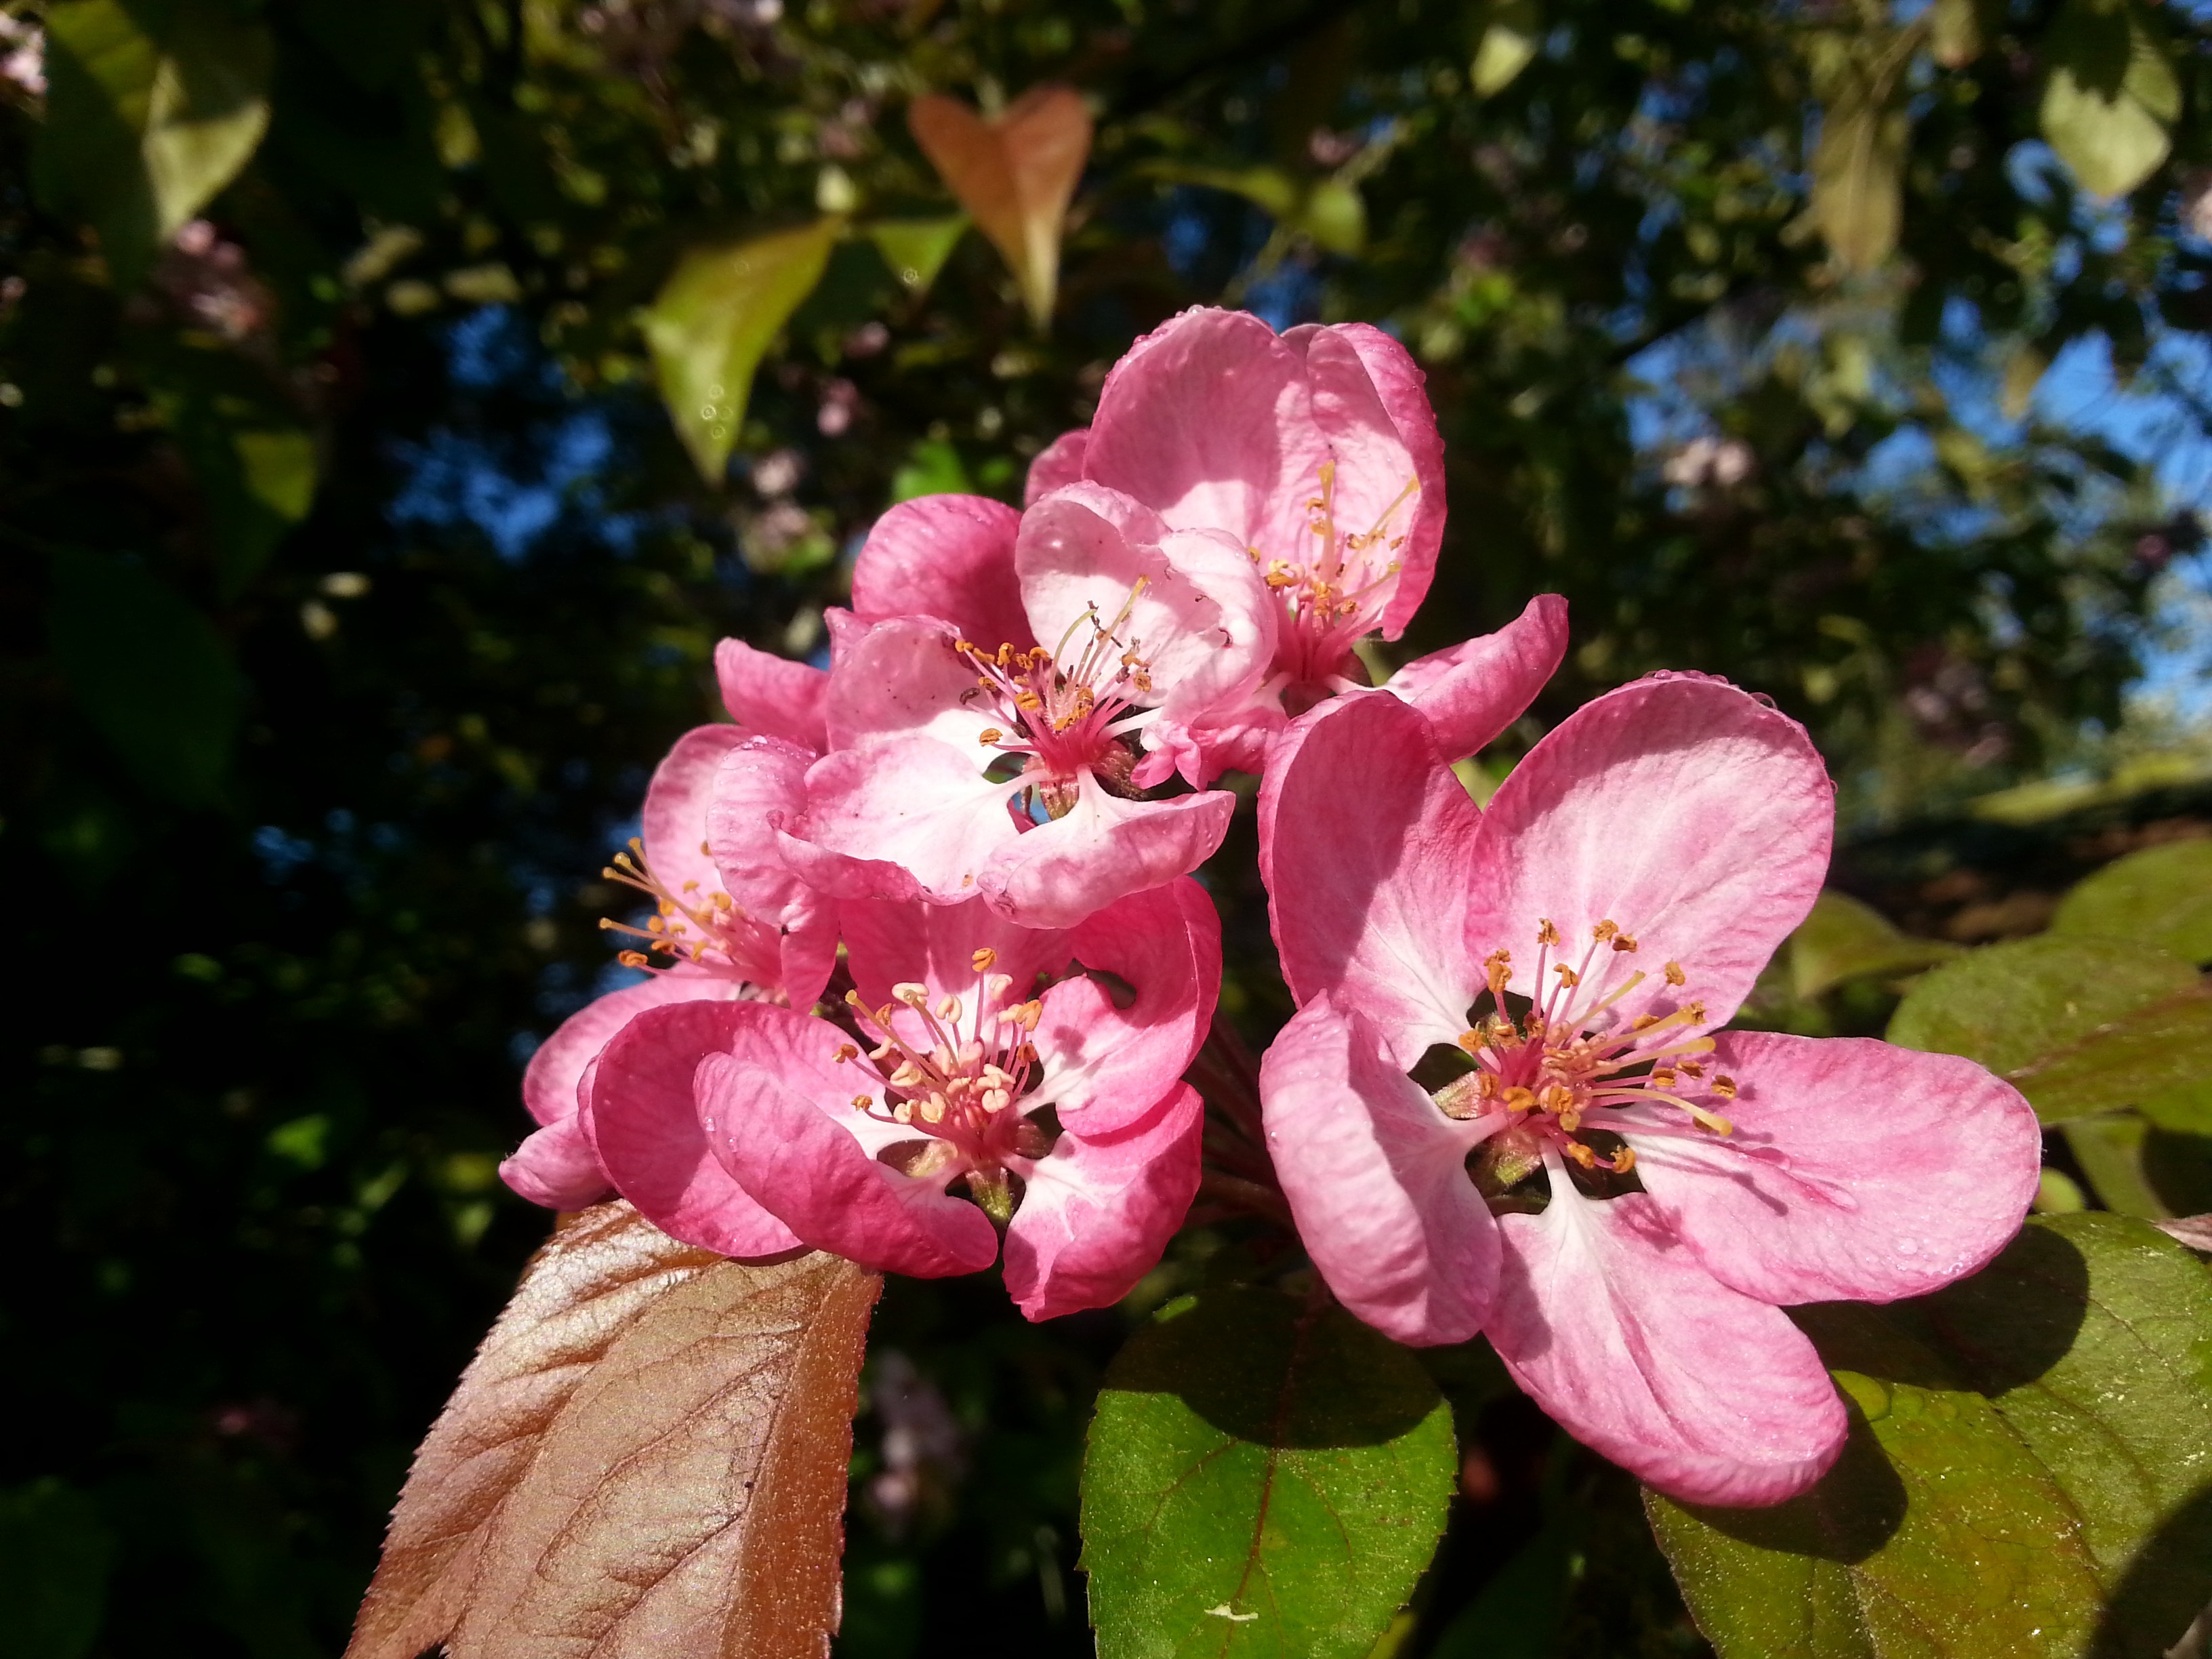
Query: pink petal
x=1202, y=619
x=1098, y=1209
x=761, y=783
x=549, y=1082
x=914, y=804
x=1621, y=1334
x=774, y=1131
x=902, y=676
x=1208, y=420
x=1473, y=691
x=772, y=696
x=1696, y=816
x=1367, y=846
x=1105, y=1064
x=948, y=557
x=1858, y=1172
x=1064, y=869
x=1376, y=1177
x=935, y=946
x=644, y=1124
x=1371, y=403
x=1059, y=463
x=676, y=801
x=556, y=1167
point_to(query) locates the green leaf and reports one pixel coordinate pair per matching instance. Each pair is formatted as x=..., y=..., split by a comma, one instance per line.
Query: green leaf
x=2186, y=1110
x=713, y=321
x=1844, y=939
x=916, y=249
x=1512, y=32
x=152, y=109
x=2079, y=1024
x=2027, y=1476
x=2161, y=898
x=2111, y=98
x=2110, y=1151
x=1260, y=1480
x=148, y=671
x=1858, y=171
x=55, y=1554
x=1956, y=31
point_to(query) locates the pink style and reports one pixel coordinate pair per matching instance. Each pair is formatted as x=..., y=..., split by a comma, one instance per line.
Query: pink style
x=718, y=931
x=1040, y=1069
x=1573, y=953
x=1009, y=687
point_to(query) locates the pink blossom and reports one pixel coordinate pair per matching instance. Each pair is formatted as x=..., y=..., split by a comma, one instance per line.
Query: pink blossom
x=1575, y=950
x=1316, y=450
x=750, y=1128
x=744, y=930
x=966, y=759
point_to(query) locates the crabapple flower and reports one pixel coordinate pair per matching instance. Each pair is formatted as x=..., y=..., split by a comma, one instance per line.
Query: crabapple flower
x=1316, y=449
x=1623, y=1196
x=715, y=934
x=973, y=1052
x=962, y=767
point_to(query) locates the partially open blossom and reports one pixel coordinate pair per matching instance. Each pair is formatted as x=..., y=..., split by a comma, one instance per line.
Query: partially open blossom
x=1316, y=449
x=714, y=934
x=1039, y=1071
x=1623, y=1196
x=961, y=765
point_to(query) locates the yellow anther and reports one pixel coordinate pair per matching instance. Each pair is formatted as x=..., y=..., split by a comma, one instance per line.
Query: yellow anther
x=913, y=995
x=1519, y=1099
x=933, y=1109
x=1724, y=1086
x=861, y=1103
x=989, y=735
x=1568, y=976
x=1582, y=1154
x=1471, y=1041
x=1675, y=975
x=1545, y=933
x=1624, y=1160
x=983, y=959
x=1662, y=1078
x=1604, y=930
x=846, y=1054
x=1626, y=942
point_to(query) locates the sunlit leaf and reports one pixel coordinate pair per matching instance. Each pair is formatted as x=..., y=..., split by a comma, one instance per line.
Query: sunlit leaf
x=648, y=1456
x=1331, y=212
x=2029, y=1475
x=1957, y=32
x=1015, y=174
x=2110, y=99
x=2079, y=1024
x=1512, y=31
x=2161, y=898
x=1844, y=939
x=713, y=322
x=148, y=671
x=1858, y=165
x=152, y=111
x=1261, y=1479
x=916, y=249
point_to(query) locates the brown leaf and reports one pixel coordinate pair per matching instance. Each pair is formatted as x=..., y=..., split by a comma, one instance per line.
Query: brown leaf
x=1014, y=174
x=646, y=1457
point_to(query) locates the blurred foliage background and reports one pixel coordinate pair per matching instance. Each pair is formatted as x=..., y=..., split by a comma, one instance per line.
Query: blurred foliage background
x=356, y=575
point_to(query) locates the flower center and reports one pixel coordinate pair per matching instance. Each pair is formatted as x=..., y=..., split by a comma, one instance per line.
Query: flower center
x=958, y=1080
x=708, y=930
x=1565, y=1076
x=1064, y=709
x=1333, y=595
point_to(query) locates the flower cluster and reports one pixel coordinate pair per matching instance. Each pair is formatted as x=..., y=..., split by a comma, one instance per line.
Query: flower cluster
x=927, y=963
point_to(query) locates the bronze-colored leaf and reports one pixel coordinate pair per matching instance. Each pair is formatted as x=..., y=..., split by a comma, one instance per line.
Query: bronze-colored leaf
x=1015, y=175
x=646, y=1457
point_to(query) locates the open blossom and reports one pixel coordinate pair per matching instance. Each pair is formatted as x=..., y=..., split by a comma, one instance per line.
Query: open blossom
x=1000, y=743
x=1316, y=449
x=715, y=933
x=1038, y=1070
x=1622, y=1196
